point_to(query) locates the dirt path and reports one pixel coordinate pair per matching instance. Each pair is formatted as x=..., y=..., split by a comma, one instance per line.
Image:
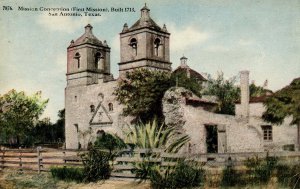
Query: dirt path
x=113, y=184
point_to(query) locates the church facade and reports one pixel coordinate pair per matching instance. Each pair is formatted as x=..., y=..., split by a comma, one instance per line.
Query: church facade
x=91, y=106
x=89, y=101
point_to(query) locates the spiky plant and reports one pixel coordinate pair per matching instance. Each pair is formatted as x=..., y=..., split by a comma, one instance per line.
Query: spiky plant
x=152, y=135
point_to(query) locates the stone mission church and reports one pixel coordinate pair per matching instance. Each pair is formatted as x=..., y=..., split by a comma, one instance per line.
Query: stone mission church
x=91, y=106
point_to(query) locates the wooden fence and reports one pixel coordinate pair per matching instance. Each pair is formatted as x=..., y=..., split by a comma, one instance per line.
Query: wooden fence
x=212, y=163
x=42, y=159
x=37, y=159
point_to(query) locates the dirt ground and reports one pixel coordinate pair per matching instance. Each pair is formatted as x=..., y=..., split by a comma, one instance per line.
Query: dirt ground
x=16, y=180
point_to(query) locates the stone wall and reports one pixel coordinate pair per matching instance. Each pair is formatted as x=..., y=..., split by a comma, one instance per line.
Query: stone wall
x=78, y=102
x=234, y=134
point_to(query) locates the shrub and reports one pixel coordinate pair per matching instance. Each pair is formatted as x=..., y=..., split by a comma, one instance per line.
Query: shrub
x=143, y=169
x=187, y=174
x=260, y=169
x=96, y=165
x=160, y=178
x=183, y=175
x=67, y=173
x=231, y=177
x=109, y=142
x=289, y=175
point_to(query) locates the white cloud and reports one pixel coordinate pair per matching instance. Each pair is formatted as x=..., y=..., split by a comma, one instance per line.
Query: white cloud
x=66, y=23
x=183, y=38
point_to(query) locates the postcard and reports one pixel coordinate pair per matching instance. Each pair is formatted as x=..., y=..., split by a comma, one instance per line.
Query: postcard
x=96, y=66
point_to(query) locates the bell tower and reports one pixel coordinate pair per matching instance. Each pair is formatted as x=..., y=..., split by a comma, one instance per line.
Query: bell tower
x=88, y=60
x=144, y=45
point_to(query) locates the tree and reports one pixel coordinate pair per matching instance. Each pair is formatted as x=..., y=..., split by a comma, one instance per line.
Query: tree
x=142, y=91
x=18, y=114
x=226, y=92
x=59, y=126
x=257, y=91
x=180, y=79
x=284, y=103
x=46, y=132
x=42, y=132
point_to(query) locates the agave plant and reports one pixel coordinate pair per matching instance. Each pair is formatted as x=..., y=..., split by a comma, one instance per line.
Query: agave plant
x=152, y=135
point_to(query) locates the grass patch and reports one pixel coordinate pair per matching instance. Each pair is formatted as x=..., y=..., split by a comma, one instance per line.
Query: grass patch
x=24, y=181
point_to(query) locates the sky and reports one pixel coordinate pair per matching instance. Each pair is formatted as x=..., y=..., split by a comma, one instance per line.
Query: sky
x=262, y=36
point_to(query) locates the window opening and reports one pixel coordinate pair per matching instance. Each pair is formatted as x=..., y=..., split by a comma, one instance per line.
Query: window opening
x=267, y=132
x=133, y=44
x=77, y=57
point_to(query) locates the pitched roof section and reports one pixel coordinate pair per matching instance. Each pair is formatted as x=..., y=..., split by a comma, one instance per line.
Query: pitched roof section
x=144, y=22
x=87, y=38
x=141, y=23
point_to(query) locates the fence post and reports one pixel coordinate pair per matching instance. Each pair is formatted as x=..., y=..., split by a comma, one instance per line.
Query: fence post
x=2, y=159
x=20, y=160
x=39, y=158
x=65, y=161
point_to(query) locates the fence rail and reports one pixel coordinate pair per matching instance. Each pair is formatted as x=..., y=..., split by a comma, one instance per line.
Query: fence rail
x=42, y=159
x=212, y=163
x=38, y=159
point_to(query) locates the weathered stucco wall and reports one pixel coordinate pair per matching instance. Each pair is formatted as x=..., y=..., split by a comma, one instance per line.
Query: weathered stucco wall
x=78, y=101
x=234, y=134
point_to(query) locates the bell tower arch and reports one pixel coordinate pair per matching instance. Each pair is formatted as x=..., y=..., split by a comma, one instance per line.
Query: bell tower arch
x=144, y=45
x=88, y=59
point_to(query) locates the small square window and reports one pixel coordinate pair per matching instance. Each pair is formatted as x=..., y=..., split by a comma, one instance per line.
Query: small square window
x=267, y=132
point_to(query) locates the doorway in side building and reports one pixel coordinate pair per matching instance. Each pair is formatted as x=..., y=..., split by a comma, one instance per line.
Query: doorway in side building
x=211, y=138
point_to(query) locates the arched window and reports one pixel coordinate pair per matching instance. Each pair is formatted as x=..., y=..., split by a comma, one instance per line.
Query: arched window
x=133, y=44
x=99, y=61
x=156, y=47
x=100, y=97
x=110, y=107
x=77, y=58
x=100, y=133
x=92, y=107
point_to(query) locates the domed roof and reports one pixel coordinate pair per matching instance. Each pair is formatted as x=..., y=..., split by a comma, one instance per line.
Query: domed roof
x=87, y=38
